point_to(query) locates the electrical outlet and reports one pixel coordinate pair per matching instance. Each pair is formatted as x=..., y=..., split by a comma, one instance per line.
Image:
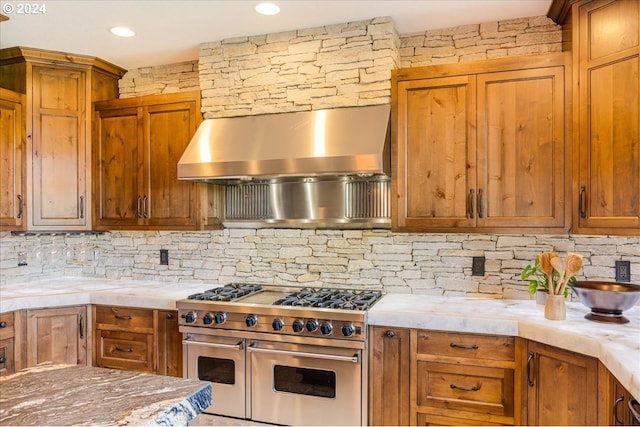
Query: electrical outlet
x=623, y=271
x=22, y=259
x=164, y=256
x=477, y=267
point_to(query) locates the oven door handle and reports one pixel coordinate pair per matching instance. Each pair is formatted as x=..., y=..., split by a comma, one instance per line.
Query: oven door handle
x=354, y=359
x=214, y=345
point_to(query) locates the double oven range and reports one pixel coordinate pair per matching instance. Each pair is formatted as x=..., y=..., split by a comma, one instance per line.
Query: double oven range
x=281, y=356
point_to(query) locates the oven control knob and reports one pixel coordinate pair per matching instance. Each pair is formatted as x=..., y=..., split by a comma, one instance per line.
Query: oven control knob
x=298, y=325
x=220, y=317
x=277, y=324
x=312, y=325
x=348, y=329
x=207, y=319
x=251, y=320
x=190, y=317
x=326, y=328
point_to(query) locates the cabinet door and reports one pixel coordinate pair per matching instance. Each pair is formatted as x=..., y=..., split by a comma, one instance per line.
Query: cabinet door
x=168, y=130
x=562, y=387
x=609, y=116
x=59, y=153
x=389, y=376
x=521, y=155
x=57, y=335
x=435, y=162
x=169, y=344
x=117, y=167
x=12, y=168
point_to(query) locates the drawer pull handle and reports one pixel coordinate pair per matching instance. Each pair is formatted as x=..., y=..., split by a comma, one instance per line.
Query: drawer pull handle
x=465, y=346
x=120, y=317
x=458, y=387
x=124, y=350
x=3, y=324
x=618, y=401
x=529, y=362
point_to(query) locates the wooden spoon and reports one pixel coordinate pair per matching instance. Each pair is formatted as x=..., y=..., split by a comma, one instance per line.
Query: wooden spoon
x=545, y=265
x=560, y=266
x=573, y=264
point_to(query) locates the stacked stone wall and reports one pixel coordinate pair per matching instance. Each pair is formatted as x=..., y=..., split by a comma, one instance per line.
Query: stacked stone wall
x=435, y=264
x=170, y=78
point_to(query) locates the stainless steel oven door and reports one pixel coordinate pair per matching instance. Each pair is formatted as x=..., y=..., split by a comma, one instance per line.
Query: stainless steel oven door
x=220, y=360
x=297, y=384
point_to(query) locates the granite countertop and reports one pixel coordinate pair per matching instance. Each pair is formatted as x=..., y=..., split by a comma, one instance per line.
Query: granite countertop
x=617, y=346
x=83, y=395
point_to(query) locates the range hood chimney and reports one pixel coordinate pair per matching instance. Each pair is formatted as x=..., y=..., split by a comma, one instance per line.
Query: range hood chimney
x=341, y=141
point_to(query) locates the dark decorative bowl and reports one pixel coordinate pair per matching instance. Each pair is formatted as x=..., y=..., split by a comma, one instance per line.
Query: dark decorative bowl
x=607, y=300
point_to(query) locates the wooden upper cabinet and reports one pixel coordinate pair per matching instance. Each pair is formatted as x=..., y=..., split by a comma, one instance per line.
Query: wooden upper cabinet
x=12, y=161
x=482, y=149
x=606, y=43
x=521, y=149
x=435, y=152
x=137, y=145
x=59, y=148
x=59, y=89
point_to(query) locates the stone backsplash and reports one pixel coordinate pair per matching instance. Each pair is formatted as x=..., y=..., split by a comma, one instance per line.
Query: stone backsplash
x=436, y=264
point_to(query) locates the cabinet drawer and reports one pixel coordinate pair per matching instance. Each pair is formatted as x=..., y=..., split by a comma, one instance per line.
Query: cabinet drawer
x=485, y=347
x=125, y=350
x=124, y=318
x=444, y=420
x=6, y=326
x=466, y=388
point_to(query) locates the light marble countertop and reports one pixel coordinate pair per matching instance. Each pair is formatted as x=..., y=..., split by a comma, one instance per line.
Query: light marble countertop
x=617, y=346
x=84, y=395
x=65, y=291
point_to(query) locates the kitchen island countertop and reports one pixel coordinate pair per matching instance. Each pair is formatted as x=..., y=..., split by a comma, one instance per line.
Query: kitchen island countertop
x=82, y=395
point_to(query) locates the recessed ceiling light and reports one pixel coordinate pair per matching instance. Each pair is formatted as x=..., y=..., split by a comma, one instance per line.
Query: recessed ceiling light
x=267, y=9
x=122, y=31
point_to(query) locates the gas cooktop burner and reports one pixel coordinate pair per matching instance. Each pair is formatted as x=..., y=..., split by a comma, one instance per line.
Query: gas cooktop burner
x=330, y=298
x=228, y=292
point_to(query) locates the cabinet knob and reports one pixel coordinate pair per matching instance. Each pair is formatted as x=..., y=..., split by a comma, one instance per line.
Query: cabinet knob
x=2, y=360
x=3, y=324
x=169, y=316
x=390, y=334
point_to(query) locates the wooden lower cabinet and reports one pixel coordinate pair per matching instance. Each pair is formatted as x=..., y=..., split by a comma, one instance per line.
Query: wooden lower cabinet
x=7, y=344
x=613, y=400
x=464, y=379
x=169, y=344
x=137, y=339
x=561, y=386
x=389, y=363
x=57, y=335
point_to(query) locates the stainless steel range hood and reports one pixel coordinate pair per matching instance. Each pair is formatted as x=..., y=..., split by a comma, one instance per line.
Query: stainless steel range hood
x=341, y=141
x=318, y=169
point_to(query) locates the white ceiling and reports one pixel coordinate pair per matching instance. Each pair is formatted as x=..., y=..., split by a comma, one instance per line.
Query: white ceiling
x=170, y=31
